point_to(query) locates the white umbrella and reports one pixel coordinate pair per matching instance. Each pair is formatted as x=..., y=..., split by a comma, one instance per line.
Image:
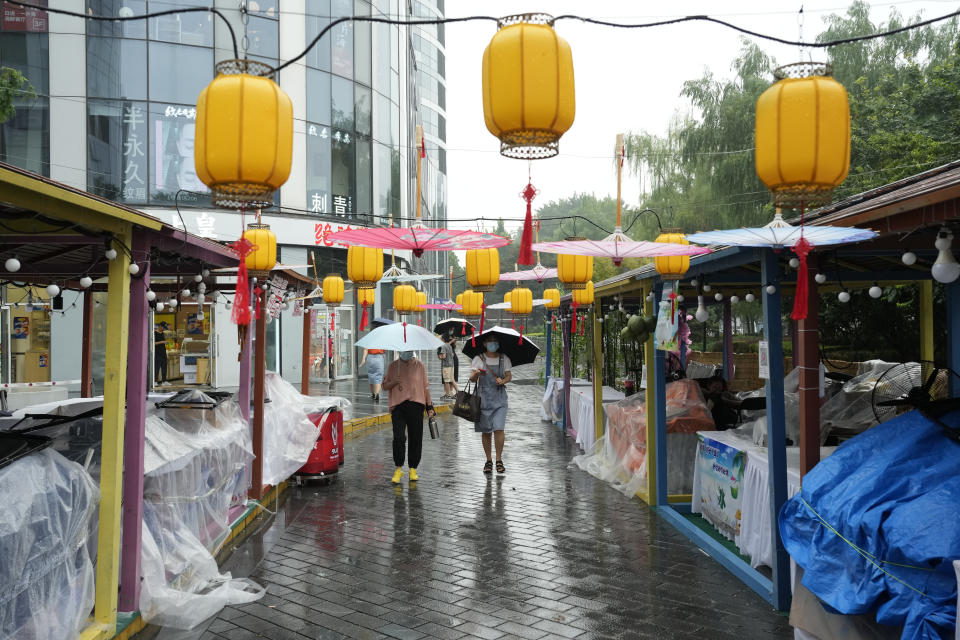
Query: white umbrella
x=779, y=234
x=400, y=336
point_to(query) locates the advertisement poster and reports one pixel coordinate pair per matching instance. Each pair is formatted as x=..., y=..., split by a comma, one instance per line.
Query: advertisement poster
x=21, y=327
x=42, y=360
x=720, y=468
x=763, y=360
x=194, y=325
x=173, y=131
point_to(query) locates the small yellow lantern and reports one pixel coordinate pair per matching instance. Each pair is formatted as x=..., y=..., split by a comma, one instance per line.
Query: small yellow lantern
x=459, y=300
x=483, y=269
x=364, y=266
x=262, y=258
x=404, y=299
x=574, y=271
x=803, y=135
x=472, y=304
x=243, y=148
x=333, y=290
x=506, y=296
x=421, y=300
x=521, y=301
x=672, y=267
x=552, y=296
x=366, y=297
x=584, y=297
x=528, y=88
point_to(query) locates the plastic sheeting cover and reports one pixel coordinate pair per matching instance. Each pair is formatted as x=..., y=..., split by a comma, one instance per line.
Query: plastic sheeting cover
x=46, y=575
x=893, y=492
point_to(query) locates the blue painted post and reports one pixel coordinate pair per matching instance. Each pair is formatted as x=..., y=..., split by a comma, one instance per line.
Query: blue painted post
x=660, y=411
x=727, y=341
x=776, y=428
x=953, y=334
x=549, y=362
x=565, y=325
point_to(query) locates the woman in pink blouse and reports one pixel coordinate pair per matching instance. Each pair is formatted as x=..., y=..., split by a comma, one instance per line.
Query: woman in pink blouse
x=406, y=382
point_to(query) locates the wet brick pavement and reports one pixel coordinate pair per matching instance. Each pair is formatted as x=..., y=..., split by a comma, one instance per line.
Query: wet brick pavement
x=544, y=551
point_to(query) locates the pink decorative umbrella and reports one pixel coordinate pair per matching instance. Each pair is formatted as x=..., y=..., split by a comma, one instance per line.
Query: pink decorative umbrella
x=618, y=250
x=538, y=273
x=443, y=306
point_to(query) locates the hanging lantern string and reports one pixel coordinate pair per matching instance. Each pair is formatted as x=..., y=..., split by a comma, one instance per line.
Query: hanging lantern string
x=433, y=21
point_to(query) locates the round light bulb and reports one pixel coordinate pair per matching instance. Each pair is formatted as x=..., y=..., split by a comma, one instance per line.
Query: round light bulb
x=159, y=307
x=701, y=315
x=794, y=263
x=749, y=297
x=707, y=288
x=771, y=289
x=680, y=297
x=909, y=258
x=202, y=287
x=843, y=296
x=172, y=303
x=945, y=269
x=694, y=282
x=151, y=295
x=125, y=12
x=12, y=265
x=110, y=254
x=718, y=296
x=205, y=273
x=86, y=282
x=53, y=290
x=186, y=293
x=197, y=278
x=134, y=268
x=875, y=291
x=820, y=278
x=200, y=315
x=734, y=299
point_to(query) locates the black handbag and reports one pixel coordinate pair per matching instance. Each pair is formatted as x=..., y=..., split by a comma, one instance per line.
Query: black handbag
x=467, y=404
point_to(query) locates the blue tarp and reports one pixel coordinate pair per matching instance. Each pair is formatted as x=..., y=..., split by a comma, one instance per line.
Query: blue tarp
x=877, y=526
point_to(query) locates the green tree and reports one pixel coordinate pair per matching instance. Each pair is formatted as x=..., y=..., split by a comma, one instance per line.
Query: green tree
x=14, y=87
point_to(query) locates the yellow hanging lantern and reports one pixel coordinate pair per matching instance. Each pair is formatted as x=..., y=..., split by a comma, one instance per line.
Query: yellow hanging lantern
x=364, y=266
x=528, y=88
x=574, y=271
x=333, y=290
x=672, y=267
x=243, y=148
x=421, y=300
x=506, y=296
x=366, y=297
x=404, y=299
x=584, y=297
x=803, y=135
x=483, y=269
x=263, y=257
x=459, y=300
x=552, y=296
x=472, y=302
x=521, y=301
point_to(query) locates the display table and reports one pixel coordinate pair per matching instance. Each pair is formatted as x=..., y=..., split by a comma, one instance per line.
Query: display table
x=582, y=426
x=552, y=405
x=731, y=489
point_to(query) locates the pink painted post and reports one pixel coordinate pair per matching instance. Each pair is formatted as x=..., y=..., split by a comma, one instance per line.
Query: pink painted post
x=133, y=441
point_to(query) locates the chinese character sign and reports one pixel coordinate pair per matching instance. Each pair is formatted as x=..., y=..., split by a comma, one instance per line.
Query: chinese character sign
x=298, y=304
x=278, y=284
x=133, y=182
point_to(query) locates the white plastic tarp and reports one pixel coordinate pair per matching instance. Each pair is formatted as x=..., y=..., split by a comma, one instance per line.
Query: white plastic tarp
x=46, y=575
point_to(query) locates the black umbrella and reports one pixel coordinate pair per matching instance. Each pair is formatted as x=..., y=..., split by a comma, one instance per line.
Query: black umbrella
x=457, y=326
x=519, y=350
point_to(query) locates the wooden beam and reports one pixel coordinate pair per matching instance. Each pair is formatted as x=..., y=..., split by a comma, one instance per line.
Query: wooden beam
x=926, y=320
x=806, y=357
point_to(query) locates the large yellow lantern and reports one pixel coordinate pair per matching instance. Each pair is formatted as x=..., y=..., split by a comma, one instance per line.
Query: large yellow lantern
x=803, y=135
x=574, y=271
x=364, y=266
x=672, y=267
x=583, y=297
x=472, y=302
x=263, y=255
x=552, y=296
x=528, y=89
x=333, y=290
x=483, y=269
x=243, y=148
x=404, y=299
x=521, y=301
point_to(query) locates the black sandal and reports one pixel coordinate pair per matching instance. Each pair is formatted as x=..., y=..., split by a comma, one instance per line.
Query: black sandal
x=488, y=467
x=500, y=467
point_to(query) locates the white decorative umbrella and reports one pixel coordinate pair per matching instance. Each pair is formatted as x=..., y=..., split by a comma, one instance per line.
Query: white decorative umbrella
x=780, y=234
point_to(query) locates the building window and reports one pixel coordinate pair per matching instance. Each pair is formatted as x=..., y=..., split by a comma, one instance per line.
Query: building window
x=116, y=68
x=342, y=104
x=181, y=28
x=318, y=96
x=117, y=149
x=25, y=137
x=178, y=74
x=343, y=173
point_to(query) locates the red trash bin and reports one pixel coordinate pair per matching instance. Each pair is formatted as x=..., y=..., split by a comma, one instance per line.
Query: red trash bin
x=324, y=460
x=340, y=434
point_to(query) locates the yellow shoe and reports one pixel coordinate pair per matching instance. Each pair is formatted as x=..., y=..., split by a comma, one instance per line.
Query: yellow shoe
x=413, y=475
x=397, y=475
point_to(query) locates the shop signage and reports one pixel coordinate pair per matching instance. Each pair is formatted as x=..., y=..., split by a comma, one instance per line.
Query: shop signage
x=298, y=304
x=14, y=18
x=278, y=285
x=720, y=468
x=223, y=225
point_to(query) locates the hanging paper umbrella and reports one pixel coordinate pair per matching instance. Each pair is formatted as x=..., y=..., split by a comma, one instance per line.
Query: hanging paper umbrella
x=537, y=302
x=780, y=234
x=442, y=306
x=538, y=273
x=618, y=250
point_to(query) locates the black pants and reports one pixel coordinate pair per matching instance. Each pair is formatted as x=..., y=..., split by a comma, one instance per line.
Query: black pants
x=160, y=366
x=456, y=367
x=407, y=422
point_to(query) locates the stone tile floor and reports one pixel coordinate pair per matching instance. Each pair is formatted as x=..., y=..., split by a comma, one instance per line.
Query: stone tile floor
x=543, y=551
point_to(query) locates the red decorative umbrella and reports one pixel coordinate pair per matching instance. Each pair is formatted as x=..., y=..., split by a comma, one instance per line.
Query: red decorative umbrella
x=417, y=237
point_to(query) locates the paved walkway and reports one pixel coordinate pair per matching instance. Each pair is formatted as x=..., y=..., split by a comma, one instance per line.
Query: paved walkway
x=544, y=551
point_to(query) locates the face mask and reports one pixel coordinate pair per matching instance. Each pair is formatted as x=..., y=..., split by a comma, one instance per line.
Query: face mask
x=493, y=346
x=406, y=355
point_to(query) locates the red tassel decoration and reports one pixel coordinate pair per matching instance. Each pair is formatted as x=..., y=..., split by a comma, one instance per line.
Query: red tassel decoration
x=363, y=318
x=513, y=323
x=473, y=337
x=463, y=329
x=554, y=319
x=419, y=320
x=573, y=325
x=241, y=301
x=801, y=248
x=526, y=239
x=332, y=318
x=520, y=341
x=673, y=306
x=404, y=330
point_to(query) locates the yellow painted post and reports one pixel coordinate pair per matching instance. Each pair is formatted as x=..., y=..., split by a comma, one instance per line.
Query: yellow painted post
x=650, y=399
x=597, y=370
x=926, y=320
x=111, y=460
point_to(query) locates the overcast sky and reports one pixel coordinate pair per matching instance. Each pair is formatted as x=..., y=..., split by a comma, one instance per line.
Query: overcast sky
x=626, y=80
